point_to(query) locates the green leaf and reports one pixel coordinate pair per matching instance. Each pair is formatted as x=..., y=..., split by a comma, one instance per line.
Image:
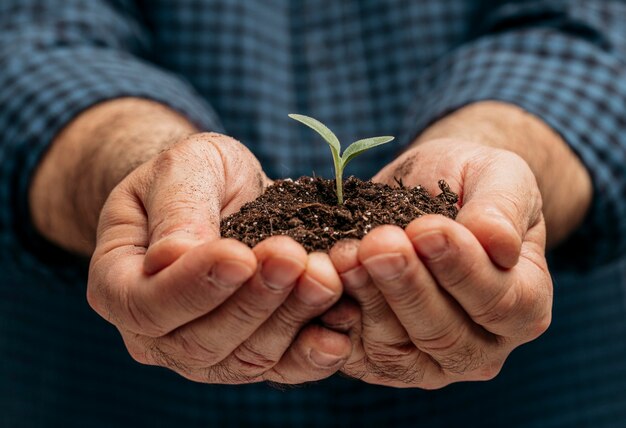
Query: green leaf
x=351, y=152
x=361, y=146
x=321, y=129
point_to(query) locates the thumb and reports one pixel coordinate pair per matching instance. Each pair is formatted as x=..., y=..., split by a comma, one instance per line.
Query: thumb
x=182, y=203
x=501, y=201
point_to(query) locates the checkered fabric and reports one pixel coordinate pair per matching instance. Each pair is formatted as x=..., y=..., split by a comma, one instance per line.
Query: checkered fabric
x=364, y=68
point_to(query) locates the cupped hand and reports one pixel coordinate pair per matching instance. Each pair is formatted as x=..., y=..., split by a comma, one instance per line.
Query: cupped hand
x=211, y=309
x=445, y=301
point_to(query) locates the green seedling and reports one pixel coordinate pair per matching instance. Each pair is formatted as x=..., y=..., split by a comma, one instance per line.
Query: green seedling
x=340, y=160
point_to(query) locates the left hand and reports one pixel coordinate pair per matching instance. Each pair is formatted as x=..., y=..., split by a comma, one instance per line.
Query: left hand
x=445, y=301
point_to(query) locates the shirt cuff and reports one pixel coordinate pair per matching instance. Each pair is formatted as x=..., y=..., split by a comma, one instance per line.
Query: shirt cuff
x=576, y=88
x=43, y=92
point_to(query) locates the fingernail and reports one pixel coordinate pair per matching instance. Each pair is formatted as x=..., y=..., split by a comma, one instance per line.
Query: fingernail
x=355, y=277
x=280, y=272
x=431, y=244
x=322, y=359
x=230, y=273
x=312, y=292
x=386, y=267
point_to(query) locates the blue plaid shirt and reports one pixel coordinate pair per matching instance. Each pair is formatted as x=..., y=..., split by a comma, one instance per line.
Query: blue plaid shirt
x=365, y=68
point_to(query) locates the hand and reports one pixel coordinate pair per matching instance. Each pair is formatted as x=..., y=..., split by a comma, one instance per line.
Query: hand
x=445, y=301
x=210, y=309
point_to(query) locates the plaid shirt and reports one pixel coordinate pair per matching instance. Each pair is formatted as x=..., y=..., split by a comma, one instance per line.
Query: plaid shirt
x=365, y=68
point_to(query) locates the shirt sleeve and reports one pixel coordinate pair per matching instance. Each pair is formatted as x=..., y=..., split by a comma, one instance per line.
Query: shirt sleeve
x=564, y=62
x=57, y=58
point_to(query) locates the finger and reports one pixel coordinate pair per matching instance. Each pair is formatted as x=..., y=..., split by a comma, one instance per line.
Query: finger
x=245, y=179
x=154, y=305
x=316, y=291
x=154, y=352
x=316, y=354
x=380, y=325
x=185, y=192
x=434, y=322
x=210, y=339
x=385, y=352
x=345, y=317
x=500, y=203
x=509, y=303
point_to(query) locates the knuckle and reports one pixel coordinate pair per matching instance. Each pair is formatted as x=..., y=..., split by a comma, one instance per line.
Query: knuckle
x=375, y=310
x=139, y=356
x=460, y=361
x=99, y=300
x=521, y=308
x=356, y=369
x=224, y=374
x=289, y=317
x=501, y=307
x=540, y=326
x=397, y=363
x=435, y=384
x=490, y=371
x=442, y=337
x=137, y=352
x=341, y=325
x=165, y=162
x=101, y=290
x=141, y=319
x=387, y=353
x=452, y=352
x=539, y=305
x=161, y=355
x=247, y=313
x=194, y=349
x=251, y=361
x=407, y=373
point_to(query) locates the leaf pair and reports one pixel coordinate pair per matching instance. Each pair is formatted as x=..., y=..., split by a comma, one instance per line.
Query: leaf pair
x=340, y=160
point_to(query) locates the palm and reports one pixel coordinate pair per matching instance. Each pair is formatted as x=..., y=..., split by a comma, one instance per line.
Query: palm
x=211, y=309
x=446, y=301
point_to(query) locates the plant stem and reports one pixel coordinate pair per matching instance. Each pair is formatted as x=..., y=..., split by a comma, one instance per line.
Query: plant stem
x=339, y=184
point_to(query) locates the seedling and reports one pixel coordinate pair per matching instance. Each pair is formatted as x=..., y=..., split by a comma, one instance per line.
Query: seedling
x=340, y=160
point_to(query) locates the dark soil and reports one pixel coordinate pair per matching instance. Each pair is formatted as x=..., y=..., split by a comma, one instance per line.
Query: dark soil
x=306, y=209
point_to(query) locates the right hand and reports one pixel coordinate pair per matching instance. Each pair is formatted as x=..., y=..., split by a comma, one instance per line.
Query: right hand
x=211, y=309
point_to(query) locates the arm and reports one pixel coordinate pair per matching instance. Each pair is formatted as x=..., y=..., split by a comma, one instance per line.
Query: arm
x=500, y=119
x=74, y=178
x=561, y=62
x=63, y=58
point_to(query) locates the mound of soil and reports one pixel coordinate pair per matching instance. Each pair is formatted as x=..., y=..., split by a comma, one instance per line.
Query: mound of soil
x=306, y=209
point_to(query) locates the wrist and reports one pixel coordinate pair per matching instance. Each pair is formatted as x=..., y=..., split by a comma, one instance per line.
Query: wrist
x=562, y=179
x=89, y=158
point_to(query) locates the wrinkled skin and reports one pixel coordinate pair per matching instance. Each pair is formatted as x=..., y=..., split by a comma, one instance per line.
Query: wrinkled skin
x=444, y=301
x=438, y=302
x=211, y=309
